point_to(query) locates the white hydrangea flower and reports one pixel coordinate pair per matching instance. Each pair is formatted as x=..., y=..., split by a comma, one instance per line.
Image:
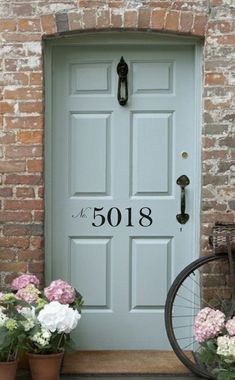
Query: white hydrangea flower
x=58, y=317
x=223, y=343
x=3, y=318
x=42, y=337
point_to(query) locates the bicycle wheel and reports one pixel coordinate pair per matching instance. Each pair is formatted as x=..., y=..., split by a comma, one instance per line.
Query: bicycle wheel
x=205, y=282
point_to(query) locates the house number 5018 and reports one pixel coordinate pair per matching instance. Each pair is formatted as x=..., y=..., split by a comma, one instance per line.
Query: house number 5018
x=114, y=217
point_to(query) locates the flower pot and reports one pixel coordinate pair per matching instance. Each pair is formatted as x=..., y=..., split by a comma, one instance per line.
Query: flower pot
x=45, y=367
x=8, y=370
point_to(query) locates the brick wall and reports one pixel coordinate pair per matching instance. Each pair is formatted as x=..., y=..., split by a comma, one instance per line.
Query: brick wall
x=23, y=24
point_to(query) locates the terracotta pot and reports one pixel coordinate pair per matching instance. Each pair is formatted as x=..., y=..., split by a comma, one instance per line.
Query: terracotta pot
x=45, y=367
x=8, y=370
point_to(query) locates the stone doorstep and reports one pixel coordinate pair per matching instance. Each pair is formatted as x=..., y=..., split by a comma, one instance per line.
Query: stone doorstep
x=25, y=375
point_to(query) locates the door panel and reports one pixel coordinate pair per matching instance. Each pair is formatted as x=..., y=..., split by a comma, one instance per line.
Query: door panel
x=114, y=195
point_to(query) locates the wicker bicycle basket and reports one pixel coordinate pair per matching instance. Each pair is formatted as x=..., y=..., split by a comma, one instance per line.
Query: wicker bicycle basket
x=223, y=237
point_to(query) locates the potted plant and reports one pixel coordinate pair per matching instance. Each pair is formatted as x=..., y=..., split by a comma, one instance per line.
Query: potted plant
x=216, y=335
x=12, y=334
x=50, y=316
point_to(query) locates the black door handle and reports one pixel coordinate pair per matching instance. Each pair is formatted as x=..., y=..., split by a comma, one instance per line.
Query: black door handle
x=183, y=181
x=122, y=70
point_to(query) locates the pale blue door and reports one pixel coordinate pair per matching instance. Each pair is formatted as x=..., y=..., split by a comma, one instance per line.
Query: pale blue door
x=114, y=199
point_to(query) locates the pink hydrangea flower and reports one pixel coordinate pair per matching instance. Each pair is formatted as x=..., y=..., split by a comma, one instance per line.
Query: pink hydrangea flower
x=60, y=291
x=208, y=324
x=24, y=280
x=230, y=326
x=29, y=294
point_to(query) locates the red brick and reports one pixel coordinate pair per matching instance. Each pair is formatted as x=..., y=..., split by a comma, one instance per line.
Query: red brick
x=6, y=107
x=14, y=242
x=15, y=79
x=41, y=192
x=48, y=24
x=12, y=166
x=36, y=242
x=23, y=179
x=27, y=255
x=91, y=3
x=186, y=22
x=144, y=18
x=6, y=192
x=226, y=40
x=16, y=151
x=13, y=216
x=116, y=3
x=172, y=21
x=158, y=19
x=29, y=25
x=199, y=25
x=36, y=79
x=7, y=254
x=116, y=20
x=8, y=25
x=36, y=267
x=28, y=122
x=38, y=216
x=89, y=18
x=30, y=137
x=130, y=19
x=25, y=192
x=75, y=21
x=103, y=19
x=7, y=138
x=23, y=93
x=22, y=229
x=160, y=4
x=35, y=165
x=23, y=9
x=31, y=107
x=21, y=37
x=209, y=105
x=36, y=204
x=14, y=266
x=213, y=79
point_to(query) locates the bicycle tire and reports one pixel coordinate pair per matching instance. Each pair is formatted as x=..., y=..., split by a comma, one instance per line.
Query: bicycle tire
x=182, y=277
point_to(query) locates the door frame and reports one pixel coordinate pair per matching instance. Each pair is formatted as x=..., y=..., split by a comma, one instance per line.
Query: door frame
x=117, y=38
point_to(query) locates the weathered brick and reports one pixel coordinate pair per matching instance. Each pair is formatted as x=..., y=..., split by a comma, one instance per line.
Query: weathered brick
x=48, y=24
x=12, y=166
x=130, y=19
x=30, y=137
x=116, y=20
x=172, y=21
x=144, y=18
x=158, y=19
x=29, y=25
x=14, y=242
x=199, y=25
x=103, y=19
x=25, y=192
x=31, y=107
x=75, y=21
x=89, y=18
x=23, y=179
x=23, y=93
x=36, y=204
x=8, y=25
x=28, y=122
x=212, y=79
x=13, y=216
x=186, y=22
x=22, y=229
x=35, y=165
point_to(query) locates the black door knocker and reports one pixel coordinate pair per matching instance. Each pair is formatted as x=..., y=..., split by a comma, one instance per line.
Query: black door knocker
x=122, y=70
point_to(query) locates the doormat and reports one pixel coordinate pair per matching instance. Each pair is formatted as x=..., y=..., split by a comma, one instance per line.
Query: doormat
x=145, y=362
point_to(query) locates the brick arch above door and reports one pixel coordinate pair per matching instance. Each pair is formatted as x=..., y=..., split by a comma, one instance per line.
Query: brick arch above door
x=161, y=20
